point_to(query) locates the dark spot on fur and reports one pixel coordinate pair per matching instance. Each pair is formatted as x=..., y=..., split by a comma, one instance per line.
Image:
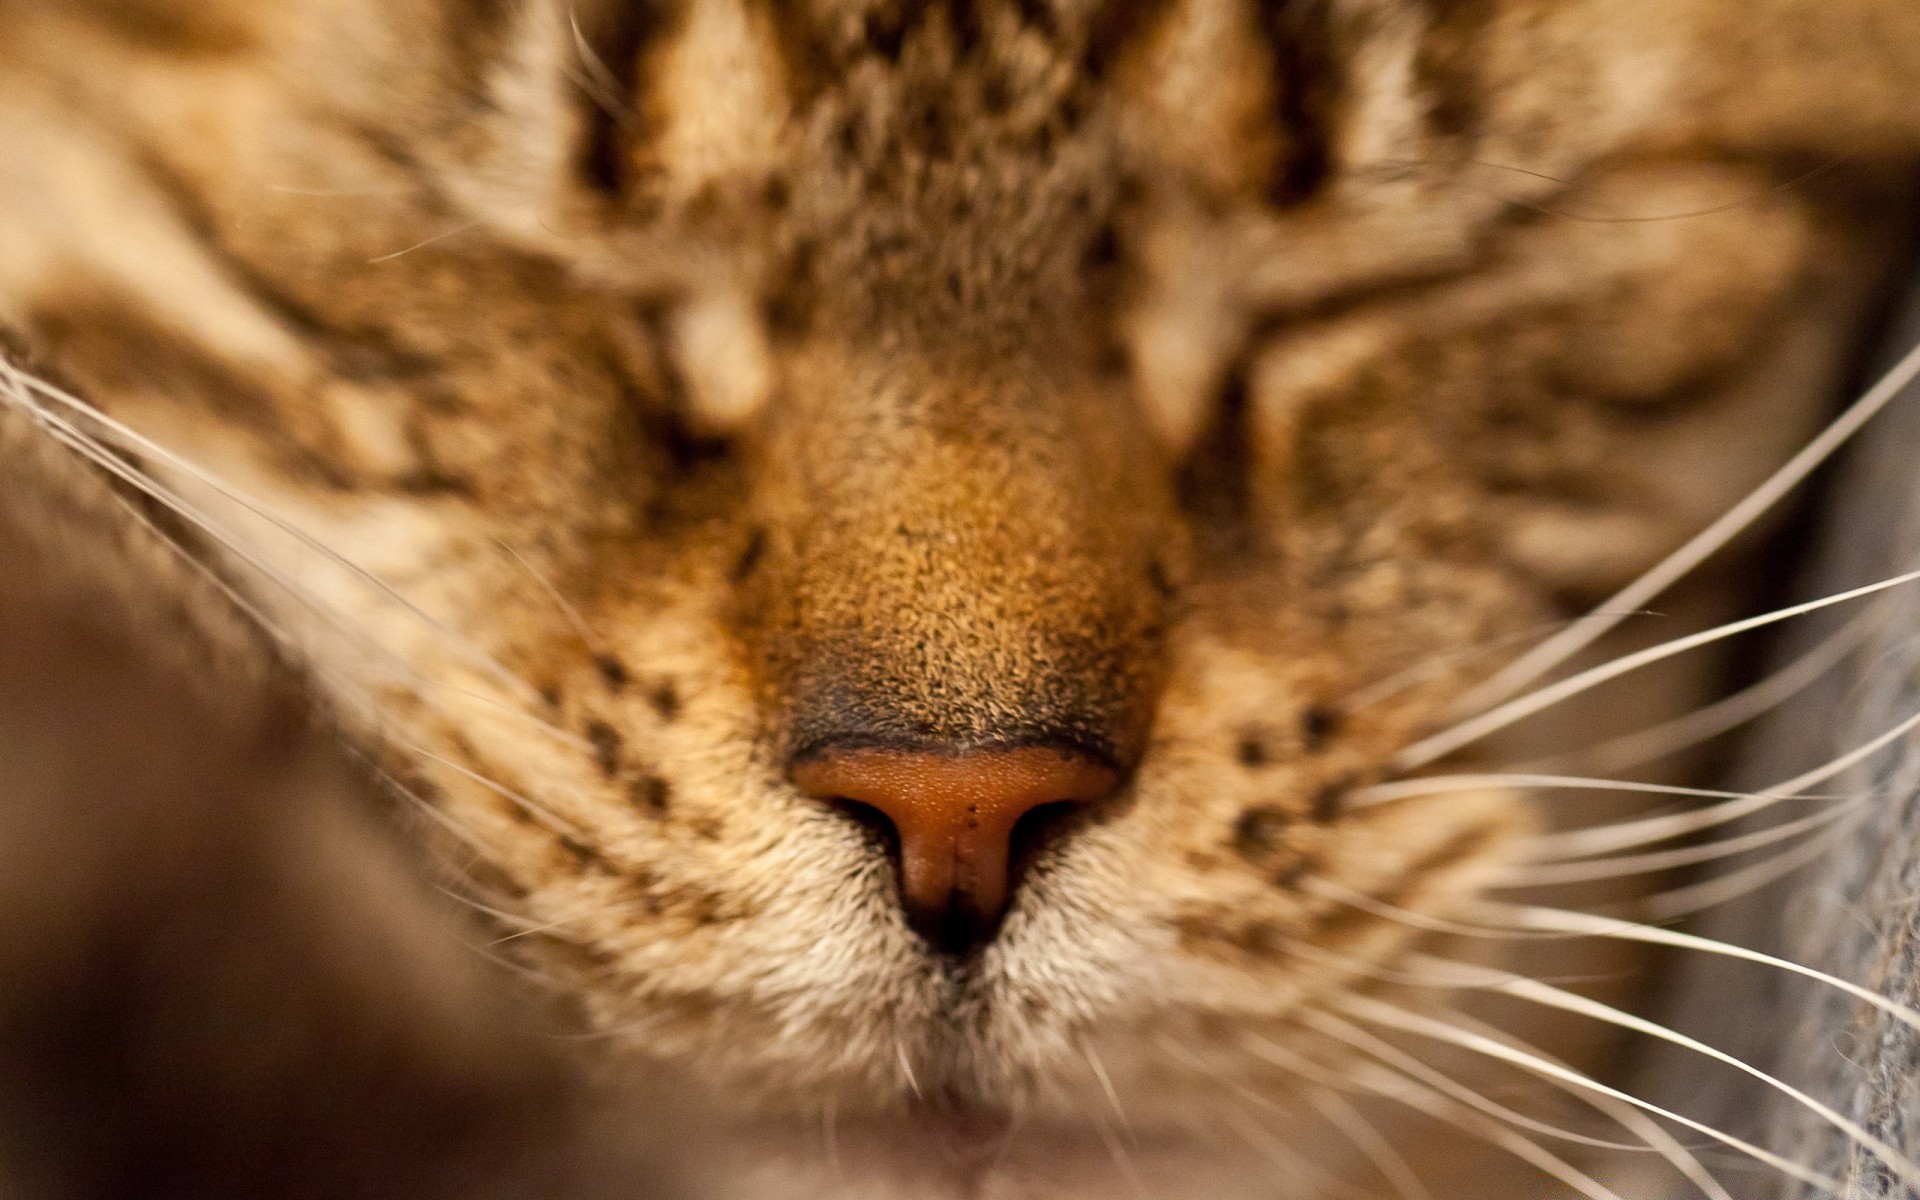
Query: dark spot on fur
x=885, y=28
x=750, y=556
x=430, y=481
x=1252, y=750
x=1259, y=832
x=607, y=745
x=420, y=788
x=664, y=699
x=1215, y=483
x=1160, y=579
x=1103, y=251
x=651, y=793
x=585, y=855
x=1199, y=860
x=1449, y=67
x=208, y=30
x=612, y=670
x=1256, y=938
x=707, y=829
x=1311, y=76
x=1293, y=872
x=1330, y=801
x=1318, y=726
x=550, y=695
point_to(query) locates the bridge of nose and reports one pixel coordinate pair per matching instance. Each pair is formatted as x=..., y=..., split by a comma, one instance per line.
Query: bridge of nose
x=955, y=813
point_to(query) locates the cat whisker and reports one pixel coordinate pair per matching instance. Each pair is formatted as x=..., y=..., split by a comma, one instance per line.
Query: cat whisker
x=1434, y=785
x=567, y=610
x=1378, y=1012
x=1121, y=1156
x=1264, y=1139
x=1508, y=984
x=524, y=926
x=1406, y=1064
x=593, y=77
x=444, y=235
x=1579, y=843
x=127, y=438
x=1513, y=711
x=1288, y=1160
x=1582, y=633
x=1688, y=730
x=1553, y=873
x=1427, y=922
x=76, y=439
x=90, y=448
x=1605, y=838
x=1353, y=1124
x=547, y=816
x=1111, y=1094
x=1443, y=973
x=1415, y=1095
x=1579, y=924
x=461, y=833
x=1723, y=889
x=1684, y=1158
x=1434, y=665
x=906, y=1069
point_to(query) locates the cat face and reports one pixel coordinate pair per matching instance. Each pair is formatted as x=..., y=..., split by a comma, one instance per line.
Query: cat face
x=884, y=538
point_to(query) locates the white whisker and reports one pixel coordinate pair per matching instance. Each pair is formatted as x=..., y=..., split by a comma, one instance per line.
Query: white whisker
x=1473, y=729
x=594, y=78
x=1377, y=1012
x=1710, y=721
x=1342, y=894
x=547, y=816
x=90, y=448
x=1508, y=984
x=1548, y=874
x=1439, y=663
x=1648, y=1130
x=906, y=1069
x=442, y=236
x=130, y=438
x=1393, y=1086
x=1353, y=1124
x=1531, y=917
x=1722, y=889
x=1107, y=1089
x=567, y=610
x=1582, y=633
x=1433, y=785
x=1406, y=1064
x=1603, y=839
x=1290, y=1161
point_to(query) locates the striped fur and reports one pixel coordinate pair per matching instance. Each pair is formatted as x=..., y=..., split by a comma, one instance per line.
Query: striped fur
x=599, y=404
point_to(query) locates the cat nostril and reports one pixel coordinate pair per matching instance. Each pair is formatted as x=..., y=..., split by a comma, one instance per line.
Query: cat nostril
x=963, y=822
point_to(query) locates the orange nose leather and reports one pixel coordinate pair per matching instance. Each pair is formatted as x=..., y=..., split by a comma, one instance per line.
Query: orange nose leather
x=955, y=815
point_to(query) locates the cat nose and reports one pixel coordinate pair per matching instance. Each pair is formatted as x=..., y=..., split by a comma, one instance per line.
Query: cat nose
x=957, y=817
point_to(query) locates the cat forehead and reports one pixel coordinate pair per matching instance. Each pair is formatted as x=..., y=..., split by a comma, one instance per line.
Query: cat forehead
x=741, y=87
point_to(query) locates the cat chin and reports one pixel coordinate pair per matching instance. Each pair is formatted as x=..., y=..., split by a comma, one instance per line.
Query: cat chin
x=935, y=1156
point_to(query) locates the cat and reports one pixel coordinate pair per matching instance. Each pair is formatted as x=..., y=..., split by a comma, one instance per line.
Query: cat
x=901, y=565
